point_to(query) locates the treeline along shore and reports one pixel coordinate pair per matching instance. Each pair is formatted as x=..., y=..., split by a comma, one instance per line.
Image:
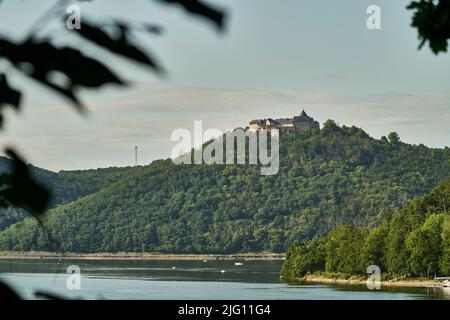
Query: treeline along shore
x=412, y=243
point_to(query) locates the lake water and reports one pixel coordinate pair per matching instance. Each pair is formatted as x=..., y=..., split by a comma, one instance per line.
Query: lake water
x=183, y=280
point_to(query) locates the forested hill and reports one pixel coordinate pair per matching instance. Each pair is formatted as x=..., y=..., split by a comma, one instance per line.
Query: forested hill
x=338, y=175
x=65, y=186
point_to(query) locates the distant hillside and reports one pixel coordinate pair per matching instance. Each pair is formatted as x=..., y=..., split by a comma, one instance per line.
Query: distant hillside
x=65, y=186
x=335, y=176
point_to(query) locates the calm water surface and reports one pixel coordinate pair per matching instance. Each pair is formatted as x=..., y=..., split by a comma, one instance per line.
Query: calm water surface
x=175, y=279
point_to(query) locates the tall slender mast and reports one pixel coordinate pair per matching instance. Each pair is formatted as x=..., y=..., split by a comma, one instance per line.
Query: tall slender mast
x=135, y=155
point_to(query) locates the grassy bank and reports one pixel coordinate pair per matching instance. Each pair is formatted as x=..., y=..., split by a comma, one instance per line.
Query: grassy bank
x=139, y=256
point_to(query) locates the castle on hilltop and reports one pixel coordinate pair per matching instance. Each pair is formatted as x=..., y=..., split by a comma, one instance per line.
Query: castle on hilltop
x=300, y=123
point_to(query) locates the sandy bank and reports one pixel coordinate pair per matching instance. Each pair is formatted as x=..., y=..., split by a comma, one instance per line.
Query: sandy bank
x=361, y=281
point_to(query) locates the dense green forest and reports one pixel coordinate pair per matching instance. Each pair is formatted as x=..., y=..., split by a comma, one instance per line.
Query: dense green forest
x=327, y=178
x=412, y=242
x=64, y=186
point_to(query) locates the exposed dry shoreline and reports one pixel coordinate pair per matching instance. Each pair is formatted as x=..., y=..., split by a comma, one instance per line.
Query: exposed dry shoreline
x=139, y=256
x=360, y=281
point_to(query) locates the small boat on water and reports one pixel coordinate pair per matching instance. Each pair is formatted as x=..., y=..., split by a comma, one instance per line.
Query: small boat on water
x=445, y=281
x=222, y=271
x=238, y=264
x=205, y=260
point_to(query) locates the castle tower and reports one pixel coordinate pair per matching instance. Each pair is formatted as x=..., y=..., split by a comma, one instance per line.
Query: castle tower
x=303, y=122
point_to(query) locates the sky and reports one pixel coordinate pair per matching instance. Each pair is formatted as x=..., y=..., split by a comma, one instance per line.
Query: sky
x=275, y=59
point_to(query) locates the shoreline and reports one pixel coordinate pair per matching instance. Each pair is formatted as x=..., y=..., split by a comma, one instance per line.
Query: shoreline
x=412, y=283
x=6, y=255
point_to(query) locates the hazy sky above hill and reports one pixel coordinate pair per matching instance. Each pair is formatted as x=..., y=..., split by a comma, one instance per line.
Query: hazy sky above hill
x=276, y=58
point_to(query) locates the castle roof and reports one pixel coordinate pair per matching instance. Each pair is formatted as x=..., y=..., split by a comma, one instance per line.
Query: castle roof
x=268, y=121
x=303, y=117
x=285, y=121
x=272, y=122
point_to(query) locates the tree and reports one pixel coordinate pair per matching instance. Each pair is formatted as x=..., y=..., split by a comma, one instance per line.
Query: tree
x=396, y=254
x=432, y=20
x=444, y=262
x=375, y=247
x=303, y=259
x=292, y=267
x=345, y=250
x=394, y=138
x=424, y=246
x=330, y=127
